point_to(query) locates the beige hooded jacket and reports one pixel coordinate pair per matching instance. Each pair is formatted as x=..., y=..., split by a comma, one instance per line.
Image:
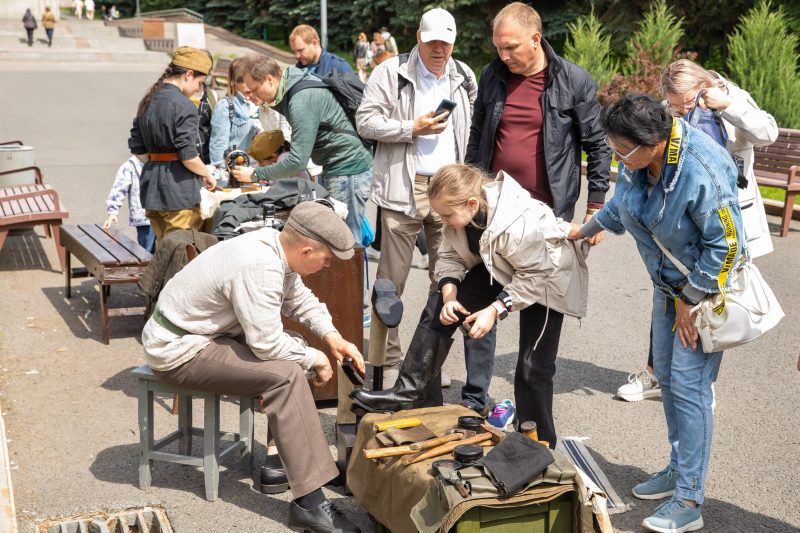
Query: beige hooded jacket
x=525, y=248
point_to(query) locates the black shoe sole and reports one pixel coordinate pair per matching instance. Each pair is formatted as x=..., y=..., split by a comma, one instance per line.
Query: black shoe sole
x=361, y=409
x=273, y=489
x=387, y=304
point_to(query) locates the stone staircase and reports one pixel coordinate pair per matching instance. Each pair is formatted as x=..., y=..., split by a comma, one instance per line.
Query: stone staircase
x=74, y=41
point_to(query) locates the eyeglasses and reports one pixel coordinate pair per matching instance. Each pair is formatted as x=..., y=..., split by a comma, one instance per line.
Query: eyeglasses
x=620, y=155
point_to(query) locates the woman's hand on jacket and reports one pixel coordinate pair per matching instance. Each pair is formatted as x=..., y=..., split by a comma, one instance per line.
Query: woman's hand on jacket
x=715, y=98
x=482, y=322
x=684, y=322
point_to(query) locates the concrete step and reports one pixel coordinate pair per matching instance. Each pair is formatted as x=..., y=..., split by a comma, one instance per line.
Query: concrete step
x=67, y=42
x=40, y=53
x=91, y=29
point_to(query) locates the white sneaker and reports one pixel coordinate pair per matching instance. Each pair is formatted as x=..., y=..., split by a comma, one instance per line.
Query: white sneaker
x=421, y=262
x=372, y=253
x=446, y=381
x=640, y=385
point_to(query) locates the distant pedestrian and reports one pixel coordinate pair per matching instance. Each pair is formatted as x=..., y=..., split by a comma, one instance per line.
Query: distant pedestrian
x=49, y=23
x=389, y=42
x=89, y=9
x=113, y=13
x=29, y=21
x=377, y=45
x=360, y=53
x=78, y=5
x=126, y=183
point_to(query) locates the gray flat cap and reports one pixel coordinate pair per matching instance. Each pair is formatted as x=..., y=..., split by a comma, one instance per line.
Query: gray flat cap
x=322, y=224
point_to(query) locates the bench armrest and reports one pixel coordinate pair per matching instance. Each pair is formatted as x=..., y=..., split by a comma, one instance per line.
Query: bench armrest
x=43, y=192
x=37, y=170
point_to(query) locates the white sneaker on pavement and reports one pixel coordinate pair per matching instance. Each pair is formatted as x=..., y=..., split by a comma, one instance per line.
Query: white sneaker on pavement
x=640, y=385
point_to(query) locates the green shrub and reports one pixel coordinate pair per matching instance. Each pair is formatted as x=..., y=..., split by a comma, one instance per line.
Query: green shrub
x=589, y=46
x=658, y=35
x=763, y=61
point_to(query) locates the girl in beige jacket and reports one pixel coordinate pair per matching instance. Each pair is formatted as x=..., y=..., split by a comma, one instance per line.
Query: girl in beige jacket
x=502, y=252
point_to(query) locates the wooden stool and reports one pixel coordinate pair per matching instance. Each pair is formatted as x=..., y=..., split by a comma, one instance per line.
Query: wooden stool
x=150, y=448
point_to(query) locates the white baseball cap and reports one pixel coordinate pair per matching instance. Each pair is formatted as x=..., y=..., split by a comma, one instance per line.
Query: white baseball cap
x=437, y=25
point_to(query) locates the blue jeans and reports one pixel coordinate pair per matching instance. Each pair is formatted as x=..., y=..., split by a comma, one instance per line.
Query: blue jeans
x=685, y=377
x=352, y=191
x=146, y=238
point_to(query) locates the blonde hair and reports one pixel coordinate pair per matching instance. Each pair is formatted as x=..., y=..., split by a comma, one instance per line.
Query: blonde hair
x=453, y=185
x=521, y=14
x=684, y=75
x=305, y=32
x=235, y=76
x=362, y=37
x=378, y=38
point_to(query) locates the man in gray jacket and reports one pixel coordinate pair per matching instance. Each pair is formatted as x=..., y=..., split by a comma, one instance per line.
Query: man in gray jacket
x=399, y=112
x=217, y=328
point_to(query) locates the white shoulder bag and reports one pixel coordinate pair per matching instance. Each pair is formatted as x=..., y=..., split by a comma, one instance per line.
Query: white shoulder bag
x=740, y=315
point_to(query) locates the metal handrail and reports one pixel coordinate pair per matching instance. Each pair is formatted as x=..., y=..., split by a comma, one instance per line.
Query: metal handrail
x=174, y=12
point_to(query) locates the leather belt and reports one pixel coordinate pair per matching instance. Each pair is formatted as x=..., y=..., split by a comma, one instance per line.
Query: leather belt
x=164, y=322
x=419, y=178
x=165, y=157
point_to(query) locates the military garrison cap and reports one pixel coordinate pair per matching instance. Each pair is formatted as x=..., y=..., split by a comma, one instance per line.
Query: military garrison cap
x=192, y=58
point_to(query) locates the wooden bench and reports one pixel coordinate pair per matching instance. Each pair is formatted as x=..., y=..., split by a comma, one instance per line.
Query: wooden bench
x=778, y=166
x=23, y=206
x=111, y=257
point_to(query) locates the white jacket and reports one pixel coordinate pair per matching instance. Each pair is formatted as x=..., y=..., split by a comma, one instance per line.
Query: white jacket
x=525, y=248
x=747, y=126
x=385, y=118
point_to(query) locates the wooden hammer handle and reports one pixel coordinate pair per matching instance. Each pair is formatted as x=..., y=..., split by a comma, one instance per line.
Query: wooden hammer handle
x=438, y=441
x=444, y=449
x=388, y=452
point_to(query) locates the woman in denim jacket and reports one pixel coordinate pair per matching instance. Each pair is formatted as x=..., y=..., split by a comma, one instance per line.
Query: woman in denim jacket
x=676, y=187
x=235, y=120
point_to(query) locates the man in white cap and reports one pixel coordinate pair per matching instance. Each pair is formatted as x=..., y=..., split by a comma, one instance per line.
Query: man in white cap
x=414, y=140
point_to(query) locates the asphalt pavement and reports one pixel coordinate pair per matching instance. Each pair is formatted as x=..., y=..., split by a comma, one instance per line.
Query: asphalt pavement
x=69, y=401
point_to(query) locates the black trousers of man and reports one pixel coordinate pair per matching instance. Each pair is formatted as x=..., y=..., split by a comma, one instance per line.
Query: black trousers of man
x=533, y=378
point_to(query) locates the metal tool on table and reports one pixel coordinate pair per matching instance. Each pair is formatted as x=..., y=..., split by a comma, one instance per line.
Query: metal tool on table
x=451, y=435
x=448, y=471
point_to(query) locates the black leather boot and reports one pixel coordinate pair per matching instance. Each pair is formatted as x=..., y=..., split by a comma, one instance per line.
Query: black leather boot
x=422, y=364
x=272, y=476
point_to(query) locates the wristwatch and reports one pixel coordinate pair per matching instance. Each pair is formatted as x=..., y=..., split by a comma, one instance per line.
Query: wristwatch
x=502, y=312
x=685, y=299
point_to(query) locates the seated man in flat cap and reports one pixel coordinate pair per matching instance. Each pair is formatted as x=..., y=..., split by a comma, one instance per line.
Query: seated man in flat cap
x=217, y=327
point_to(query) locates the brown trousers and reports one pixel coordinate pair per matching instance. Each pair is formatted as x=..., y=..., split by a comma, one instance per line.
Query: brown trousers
x=163, y=222
x=398, y=235
x=228, y=367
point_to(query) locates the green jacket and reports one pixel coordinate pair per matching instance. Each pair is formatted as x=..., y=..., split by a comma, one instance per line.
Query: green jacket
x=340, y=154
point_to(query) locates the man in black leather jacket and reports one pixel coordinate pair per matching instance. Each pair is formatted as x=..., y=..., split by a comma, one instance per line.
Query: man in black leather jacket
x=534, y=113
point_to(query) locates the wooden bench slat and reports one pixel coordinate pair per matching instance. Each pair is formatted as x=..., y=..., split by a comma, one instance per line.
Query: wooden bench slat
x=87, y=250
x=122, y=255
x=133, y=248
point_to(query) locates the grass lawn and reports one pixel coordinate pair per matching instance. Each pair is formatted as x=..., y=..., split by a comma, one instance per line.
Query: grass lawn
x=775, y=194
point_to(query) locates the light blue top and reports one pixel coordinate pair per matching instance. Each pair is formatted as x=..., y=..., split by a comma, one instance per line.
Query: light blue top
x=238, y=131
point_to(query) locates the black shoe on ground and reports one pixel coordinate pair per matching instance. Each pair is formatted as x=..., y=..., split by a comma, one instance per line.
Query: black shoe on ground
x=386, y=303
x=272, y=476
x=485, y=411
x=325, y=518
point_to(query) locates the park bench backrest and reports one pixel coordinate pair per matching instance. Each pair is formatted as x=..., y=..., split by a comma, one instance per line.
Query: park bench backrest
x=780, y=156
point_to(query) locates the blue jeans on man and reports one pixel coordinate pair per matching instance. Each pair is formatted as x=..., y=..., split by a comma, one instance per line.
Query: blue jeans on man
x=685, y=377
x=353, y=191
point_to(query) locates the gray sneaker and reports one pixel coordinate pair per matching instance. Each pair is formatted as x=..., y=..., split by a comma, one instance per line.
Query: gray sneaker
x=660, y=485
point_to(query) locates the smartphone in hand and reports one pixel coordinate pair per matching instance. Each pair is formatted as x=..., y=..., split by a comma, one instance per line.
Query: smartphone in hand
x=445, y=105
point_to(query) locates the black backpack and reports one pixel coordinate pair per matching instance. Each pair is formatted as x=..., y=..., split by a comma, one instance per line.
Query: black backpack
x=348, y=91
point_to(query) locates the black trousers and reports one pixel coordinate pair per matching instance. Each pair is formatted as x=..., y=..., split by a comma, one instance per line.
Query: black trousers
x=533, y=378
x=30, y=36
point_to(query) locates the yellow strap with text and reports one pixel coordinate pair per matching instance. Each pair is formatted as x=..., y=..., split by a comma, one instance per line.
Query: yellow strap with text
x=730, y=257
x=674, y=144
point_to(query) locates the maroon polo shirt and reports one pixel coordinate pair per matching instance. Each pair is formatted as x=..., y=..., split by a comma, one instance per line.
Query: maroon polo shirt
x=519, y=140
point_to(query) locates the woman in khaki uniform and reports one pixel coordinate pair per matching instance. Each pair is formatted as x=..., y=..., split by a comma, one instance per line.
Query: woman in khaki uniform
x=164, y=135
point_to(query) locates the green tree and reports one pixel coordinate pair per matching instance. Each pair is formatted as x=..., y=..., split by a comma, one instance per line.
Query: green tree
x=589, y=46
x=659, y=34
x=763, y=60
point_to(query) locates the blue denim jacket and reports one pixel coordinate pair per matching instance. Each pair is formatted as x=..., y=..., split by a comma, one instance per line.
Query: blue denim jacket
x=239, y=132
x=685, y=212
